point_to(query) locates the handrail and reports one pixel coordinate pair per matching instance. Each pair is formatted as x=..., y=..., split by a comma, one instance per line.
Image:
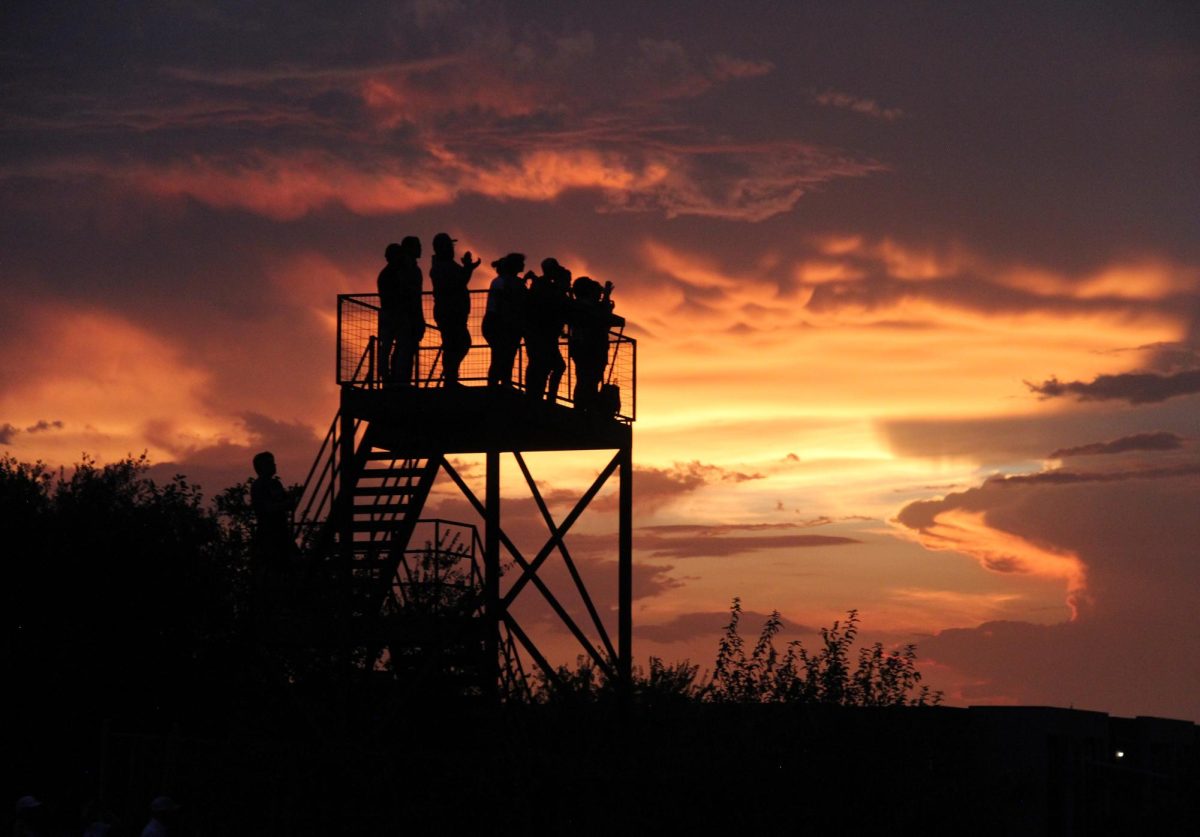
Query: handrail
x=313, y=491
x=358, y=362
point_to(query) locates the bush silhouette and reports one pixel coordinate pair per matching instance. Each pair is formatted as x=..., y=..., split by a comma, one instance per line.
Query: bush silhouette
x=831, y=675
x=828, y=676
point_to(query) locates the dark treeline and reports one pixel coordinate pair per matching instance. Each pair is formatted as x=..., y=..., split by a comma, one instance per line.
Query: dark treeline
x=139, y=598
x=136, y=667
x=131, y=609
x=123, y=594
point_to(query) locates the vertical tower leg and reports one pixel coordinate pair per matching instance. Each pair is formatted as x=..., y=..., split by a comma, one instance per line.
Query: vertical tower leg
x=345, y=509
x=625, y=568
x=344, y=513
x=491, y=568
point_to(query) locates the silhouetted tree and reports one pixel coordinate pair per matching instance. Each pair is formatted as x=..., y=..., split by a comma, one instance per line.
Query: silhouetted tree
x=123, y=592
x=831, y=675
x=876, y=677
x=661, y=683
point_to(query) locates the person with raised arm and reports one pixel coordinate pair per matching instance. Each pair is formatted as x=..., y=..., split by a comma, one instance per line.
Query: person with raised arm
x=591, y=316
x=451, y=303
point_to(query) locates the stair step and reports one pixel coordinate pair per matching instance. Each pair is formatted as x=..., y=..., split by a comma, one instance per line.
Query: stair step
x=378, y=455
x=377, y=525
x=379, y=508
x=396, y=480
x=382, y=490
x=377, y=465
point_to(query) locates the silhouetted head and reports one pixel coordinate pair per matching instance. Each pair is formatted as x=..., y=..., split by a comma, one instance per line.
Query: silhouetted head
x=410, y=245
x=586, y=288
x=510, y=265
x=443, y=245
x=392, y=253
x=264, y=464
x=550, y=267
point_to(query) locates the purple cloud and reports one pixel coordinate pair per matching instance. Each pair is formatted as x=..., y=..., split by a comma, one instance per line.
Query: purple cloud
x=1160, y=440
x=1134, y=387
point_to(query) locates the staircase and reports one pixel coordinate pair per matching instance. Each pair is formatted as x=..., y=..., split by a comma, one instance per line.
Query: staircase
x=411, y=587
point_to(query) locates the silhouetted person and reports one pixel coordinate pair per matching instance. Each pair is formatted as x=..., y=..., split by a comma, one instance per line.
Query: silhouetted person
x=30, y=818
x=590, y=317
x=272, y=507
x=401, y=314
x=545, y=317
x=164, y=818
x=451, y=303
x=504, y=320
x=272, y=542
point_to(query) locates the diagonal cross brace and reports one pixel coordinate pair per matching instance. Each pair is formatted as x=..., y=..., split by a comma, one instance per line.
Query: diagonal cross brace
x=530, y=568
x=557, y=534
x=566, y=555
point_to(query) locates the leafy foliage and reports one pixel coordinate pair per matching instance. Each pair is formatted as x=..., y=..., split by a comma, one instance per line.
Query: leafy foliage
x=833, y=674
x=876, y=677
x=662, y=683
x=123, y=592
x=136, y=594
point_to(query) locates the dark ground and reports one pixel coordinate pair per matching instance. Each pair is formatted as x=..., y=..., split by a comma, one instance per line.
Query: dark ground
x=610, y=769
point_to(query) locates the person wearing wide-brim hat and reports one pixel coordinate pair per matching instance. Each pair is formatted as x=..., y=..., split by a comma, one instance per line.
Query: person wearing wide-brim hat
x=503, y=322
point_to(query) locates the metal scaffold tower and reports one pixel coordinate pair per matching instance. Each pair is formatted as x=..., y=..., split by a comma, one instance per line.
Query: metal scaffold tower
x=430, y=603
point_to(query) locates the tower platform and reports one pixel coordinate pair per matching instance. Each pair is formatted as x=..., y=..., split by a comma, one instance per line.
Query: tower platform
x=363, y=508
x=423, y=421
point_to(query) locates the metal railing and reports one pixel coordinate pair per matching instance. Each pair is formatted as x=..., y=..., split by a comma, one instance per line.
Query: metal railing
x=320, y=487
x=358, y=363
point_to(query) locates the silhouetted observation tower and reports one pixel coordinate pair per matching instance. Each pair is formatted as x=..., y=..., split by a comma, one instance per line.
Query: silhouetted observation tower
x=428, y=601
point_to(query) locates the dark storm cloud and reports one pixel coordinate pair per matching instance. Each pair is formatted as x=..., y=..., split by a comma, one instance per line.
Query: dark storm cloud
x=308, y=120
x=261, y=111
x=656, y=486
x=42, y=426
x=1139, y=441
x=8, y=431
x=1105, y=664
x=1133, y=531
x=922, y=514
x=1134, y=387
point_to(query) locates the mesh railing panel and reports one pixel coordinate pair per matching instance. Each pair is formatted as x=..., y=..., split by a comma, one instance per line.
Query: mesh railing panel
x=357, y=362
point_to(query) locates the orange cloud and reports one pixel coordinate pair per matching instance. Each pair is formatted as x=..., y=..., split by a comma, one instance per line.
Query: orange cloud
x=996, y=550
x=1145, y=280
x=116, y=388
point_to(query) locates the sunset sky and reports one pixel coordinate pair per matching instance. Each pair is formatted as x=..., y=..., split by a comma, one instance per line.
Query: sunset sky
x=916, y=287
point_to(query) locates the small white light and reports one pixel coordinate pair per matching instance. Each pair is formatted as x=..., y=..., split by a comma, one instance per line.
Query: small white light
x=1120, y=754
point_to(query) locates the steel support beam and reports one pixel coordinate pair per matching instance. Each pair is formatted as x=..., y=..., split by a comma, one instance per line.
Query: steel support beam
x=625, y=567
x=491, y=566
